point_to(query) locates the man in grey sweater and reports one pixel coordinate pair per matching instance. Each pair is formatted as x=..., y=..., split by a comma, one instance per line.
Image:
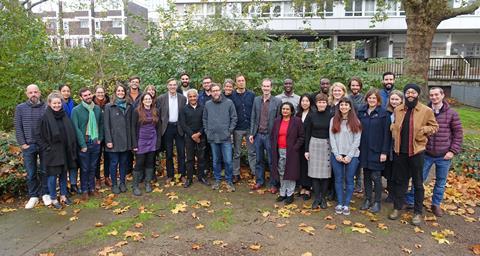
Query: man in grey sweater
x=219, y=120
x=27, y=116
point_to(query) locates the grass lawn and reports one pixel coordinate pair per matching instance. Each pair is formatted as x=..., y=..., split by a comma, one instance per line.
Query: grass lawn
x=470, y=118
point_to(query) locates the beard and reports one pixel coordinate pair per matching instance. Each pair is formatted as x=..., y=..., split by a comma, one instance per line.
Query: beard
x=388, y=87
x=411, y=104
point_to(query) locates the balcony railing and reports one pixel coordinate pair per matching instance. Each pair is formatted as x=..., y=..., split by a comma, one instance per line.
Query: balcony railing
x=455, y=68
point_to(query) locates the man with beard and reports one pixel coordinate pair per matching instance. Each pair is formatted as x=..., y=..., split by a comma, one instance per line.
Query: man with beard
x=87, y=120
x=388, y=83
x=324, y=88
x=355, y=85
x=134, y=90
x=184, y=84
x=288, y=95
x=441, y=147
x=414, y=123
x=27, y=116
x=219, y=120
x=205, y=95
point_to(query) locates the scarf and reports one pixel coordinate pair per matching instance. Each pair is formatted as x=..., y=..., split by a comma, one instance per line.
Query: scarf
x=122, y=104
x=92, y=128
x=68, y=106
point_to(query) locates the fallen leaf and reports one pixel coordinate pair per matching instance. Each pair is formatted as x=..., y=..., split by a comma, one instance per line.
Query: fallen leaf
x=361, y=230
x=196, y=246
x=172, y=196
x=119, y=211
x=470, y=211
x=435, y=224
x=74, y=218
x=418, y=230
x=220, y=243
x=441, y=238
x=115, y=254
x=228, y=203
x=346, y=222
x=255, y=246
x=330, y=226
x=281, y=225
x=139, y=225
x=328, y=217
x=284, y=213
x=47, y=254
x=113, y=232
x=475, y=249
x=7, y=210
x=199, y=226
x=62, y=213
x=158, y=190
x=382, y=226
x=430, y=218
x=470, y=219
x=307, y=229
x=182, y=207
x=121, y=243
x=105, y=251
x=418, y=246
x=407, y=251
x=204, y=203
x=403, y=221
x=137, y=236
x=154, y=235
x=307, y=254
x=76, y=211
x=265, y=214
x=175, y=237
x=448, y=232
x=194, y=215
x=98, y=224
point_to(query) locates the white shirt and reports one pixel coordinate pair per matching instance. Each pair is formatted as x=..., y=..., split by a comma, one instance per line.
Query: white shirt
x=172, y=108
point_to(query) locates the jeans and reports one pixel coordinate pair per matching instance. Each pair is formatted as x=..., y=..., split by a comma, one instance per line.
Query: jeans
x=106, y=163
x=344, y=173
x=195, y=150
x=222, y=151
x=52, y=185
x=36, y=176
x=73, y=176
x=404, y=168
x=238, y=136
x=120, y=160
x=262, y=144
x=442, y=167
x=88, y=164
x=170, y=135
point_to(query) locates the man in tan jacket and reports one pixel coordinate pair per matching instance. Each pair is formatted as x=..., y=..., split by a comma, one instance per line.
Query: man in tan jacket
x=414, y=122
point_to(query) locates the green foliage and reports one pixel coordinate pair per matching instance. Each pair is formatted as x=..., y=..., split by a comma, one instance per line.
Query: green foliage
x=468, y=161
x=12, y=172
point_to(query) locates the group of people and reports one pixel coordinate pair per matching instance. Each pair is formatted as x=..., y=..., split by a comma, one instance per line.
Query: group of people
x=319, y=143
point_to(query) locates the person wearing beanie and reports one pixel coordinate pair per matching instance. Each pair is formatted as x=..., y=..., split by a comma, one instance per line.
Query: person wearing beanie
x=388, y=83
x=414, y=123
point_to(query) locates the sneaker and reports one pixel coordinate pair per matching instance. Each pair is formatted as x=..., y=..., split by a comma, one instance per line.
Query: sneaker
x=46, y=200
x=339, y=209
x=32, y=202
x=230, y=187
x=67, y=201
x=394, y=215
x=346, y=210
x=56, y=204
x=115, y=189
x=417, y=219
x=123, y=187
x=216, y=185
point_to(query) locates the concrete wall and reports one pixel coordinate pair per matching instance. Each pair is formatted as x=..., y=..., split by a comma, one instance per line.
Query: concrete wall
x=467, y=94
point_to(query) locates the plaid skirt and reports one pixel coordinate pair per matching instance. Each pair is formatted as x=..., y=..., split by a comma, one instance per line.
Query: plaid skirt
x=319, y=164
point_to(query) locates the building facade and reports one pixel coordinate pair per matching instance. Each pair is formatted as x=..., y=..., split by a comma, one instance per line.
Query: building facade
x=81, y=23
x=344, y=23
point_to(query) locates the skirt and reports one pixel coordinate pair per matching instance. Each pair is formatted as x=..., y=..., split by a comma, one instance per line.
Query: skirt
x=319, y=164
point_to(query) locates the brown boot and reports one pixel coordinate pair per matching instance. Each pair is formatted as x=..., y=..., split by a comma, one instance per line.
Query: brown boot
x=108, y=182
x=437, y=211
x=85, y=196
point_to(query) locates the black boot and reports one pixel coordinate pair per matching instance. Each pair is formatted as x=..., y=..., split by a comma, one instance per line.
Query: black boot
x=375, y=207
x=136, y=181
x=366, y=204
x=323, y=203
x=315, y=204
x=148, y=179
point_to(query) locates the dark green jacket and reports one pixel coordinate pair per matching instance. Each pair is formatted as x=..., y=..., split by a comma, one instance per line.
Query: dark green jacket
x=80, y=120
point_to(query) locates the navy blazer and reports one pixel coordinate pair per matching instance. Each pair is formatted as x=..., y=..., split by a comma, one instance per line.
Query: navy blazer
x=273, y=112
x=376, y=137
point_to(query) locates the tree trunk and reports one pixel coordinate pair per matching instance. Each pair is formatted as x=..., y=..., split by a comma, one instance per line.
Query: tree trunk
x=420, y=31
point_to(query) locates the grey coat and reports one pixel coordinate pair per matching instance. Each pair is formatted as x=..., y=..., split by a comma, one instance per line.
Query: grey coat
x=117, y=127
x=219, y=120
x=162, y=105
x=273, y=112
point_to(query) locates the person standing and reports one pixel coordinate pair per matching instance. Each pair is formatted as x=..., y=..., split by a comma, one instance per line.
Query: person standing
x=287, y=138
x=305, y=182
x=171, y=104
x=184, y=84
x=324, y=89
x=374, y=148
x=134, y=92
x=87, y=120
x=118, y=141
x=265, y=110
x=101, y=99
x=195, y=141
x=228, y=88
x=27, y=116
x=243, y=101
x=395, y=100
x=219, y=120
x=388, y=83
x=288, y=95
x=355, y=86
x=414, y=122
x=57, y=141
x=318, y=151
x=146, y=140
x=206, y=94
x=337, y=92
x=345, y=136
x=441, y=147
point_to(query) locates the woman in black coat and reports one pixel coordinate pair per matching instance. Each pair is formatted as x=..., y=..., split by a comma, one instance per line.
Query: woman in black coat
x=374, y=147
x=305, y=182
x=58, y=144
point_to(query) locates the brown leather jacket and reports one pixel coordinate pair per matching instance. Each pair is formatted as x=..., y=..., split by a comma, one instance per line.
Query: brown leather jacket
x=424, y=125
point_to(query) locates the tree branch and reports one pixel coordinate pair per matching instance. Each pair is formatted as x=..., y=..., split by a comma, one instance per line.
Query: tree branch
x=467, y=9
x=34, y=4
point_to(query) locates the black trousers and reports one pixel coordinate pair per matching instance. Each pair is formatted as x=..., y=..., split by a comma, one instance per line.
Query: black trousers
x=387, y=173
x=404, y=168
x=144, y=161
x=195, y=150
x=372, y=177
x=171, y=135
x=305, y=181
x=320, y=187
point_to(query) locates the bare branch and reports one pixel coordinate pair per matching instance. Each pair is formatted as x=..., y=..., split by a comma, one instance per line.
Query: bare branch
x=34, y=4
x=467, y=9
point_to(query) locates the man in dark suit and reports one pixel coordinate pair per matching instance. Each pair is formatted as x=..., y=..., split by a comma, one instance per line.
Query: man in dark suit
x=171, y=104
x=265, y=110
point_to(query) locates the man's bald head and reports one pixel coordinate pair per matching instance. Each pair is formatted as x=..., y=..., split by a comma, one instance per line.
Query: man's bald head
x=33, y=93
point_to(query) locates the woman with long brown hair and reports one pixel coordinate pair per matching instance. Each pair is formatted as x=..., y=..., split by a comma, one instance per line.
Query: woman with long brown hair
x=146, y=140
x=345, y=135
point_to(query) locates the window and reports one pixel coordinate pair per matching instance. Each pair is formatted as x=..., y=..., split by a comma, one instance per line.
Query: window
x=438, y=50
x=287, y=9
x=326, y=10
x=265, y=8
x=51, y=24
x=117, y=23
x=66, y=27
x=353, y=8
x=83, y=23
x=391, y=8
x=97, y=25
x=399, y=50
x=277, y=10
x=369, y=7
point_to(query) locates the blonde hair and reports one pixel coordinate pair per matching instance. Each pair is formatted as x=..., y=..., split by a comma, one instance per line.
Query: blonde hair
x=331, y=100
x=394, y=92
x=53, y=95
